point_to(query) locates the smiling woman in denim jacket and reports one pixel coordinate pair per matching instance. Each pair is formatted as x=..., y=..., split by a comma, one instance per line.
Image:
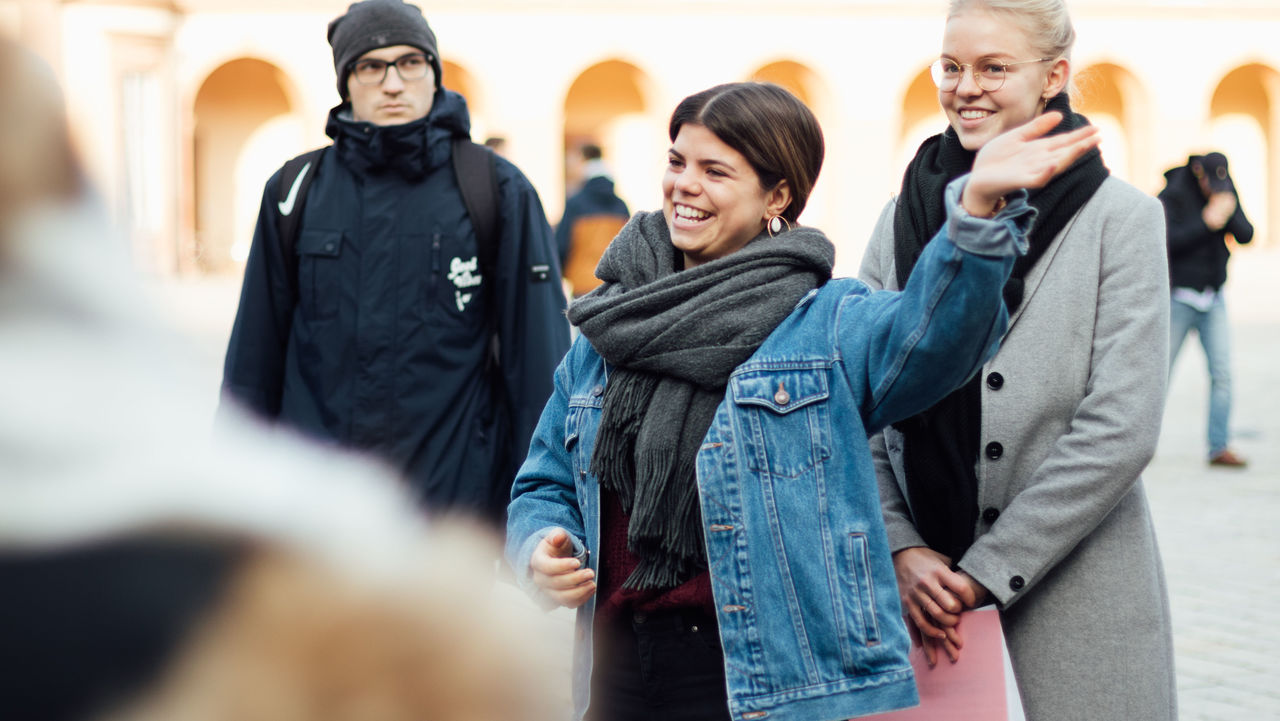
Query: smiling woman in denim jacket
x=685, y=488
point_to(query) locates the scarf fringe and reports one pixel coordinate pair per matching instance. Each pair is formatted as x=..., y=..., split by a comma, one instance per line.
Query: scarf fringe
x=666, y=523
x=612, y=460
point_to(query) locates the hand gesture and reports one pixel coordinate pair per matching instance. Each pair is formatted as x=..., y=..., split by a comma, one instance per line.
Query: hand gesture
x=558, y=573
x=1023, y=158
x=1218, y=211
x=933, y=596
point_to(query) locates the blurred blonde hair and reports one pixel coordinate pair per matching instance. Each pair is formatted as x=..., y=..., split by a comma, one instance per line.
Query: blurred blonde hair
x=37, y=161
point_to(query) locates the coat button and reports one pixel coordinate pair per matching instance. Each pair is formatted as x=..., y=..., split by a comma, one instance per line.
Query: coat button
x=990, y=515
x=782, y=397
x=329, y=247
x=1017, y=582
x=995, y=381
x=994, y=451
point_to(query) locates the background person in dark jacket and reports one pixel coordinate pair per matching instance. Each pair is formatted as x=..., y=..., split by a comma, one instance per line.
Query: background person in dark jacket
x=1201, y=207
x=383, y=340
x=592, y=217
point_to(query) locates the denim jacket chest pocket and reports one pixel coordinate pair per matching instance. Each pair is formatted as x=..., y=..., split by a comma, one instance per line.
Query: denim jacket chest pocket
x=580, y=424
x=784, y=417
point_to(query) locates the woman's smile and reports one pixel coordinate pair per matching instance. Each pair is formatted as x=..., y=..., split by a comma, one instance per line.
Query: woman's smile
x=689, y=216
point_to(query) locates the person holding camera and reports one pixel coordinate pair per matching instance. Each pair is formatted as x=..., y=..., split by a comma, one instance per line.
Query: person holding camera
x=1201, y=209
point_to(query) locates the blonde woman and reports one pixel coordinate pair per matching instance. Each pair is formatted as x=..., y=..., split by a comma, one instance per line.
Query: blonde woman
x=1023, y=487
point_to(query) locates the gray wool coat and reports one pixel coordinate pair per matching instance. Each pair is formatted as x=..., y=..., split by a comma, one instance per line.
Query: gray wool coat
x=1074, y=397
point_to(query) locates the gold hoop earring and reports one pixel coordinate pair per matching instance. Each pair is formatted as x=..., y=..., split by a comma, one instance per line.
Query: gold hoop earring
x=775, y=224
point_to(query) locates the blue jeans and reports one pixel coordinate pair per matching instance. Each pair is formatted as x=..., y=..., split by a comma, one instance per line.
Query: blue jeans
x=1213, y=328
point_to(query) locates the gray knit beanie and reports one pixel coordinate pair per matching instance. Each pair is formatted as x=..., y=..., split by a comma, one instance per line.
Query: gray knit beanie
x=374, y=24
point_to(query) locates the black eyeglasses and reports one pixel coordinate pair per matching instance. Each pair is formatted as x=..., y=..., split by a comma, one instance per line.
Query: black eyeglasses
x=371, y=71
x=989, y=74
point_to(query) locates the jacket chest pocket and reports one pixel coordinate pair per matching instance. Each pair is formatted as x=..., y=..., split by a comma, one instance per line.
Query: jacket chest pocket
x=580, y=427
x=319, y=273
x=785, y=418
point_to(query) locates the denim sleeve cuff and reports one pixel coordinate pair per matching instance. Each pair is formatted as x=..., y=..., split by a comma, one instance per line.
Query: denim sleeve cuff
x=1003, y=235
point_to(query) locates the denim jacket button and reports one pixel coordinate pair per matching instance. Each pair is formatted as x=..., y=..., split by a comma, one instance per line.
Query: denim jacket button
x=597, y=391
x=782, y=397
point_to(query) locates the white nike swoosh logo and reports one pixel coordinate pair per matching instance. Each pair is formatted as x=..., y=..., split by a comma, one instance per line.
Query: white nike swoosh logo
x=287, y=206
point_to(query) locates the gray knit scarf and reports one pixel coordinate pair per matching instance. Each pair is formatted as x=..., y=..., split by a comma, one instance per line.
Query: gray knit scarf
x=674, y=336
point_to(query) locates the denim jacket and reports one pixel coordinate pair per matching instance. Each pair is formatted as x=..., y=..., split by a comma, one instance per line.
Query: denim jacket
x=801, y=572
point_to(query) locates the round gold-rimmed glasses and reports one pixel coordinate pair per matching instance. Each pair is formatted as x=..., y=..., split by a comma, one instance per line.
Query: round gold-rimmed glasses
x=988, y=73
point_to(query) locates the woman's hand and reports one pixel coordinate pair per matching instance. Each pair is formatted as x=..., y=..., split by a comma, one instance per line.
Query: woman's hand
x=557, y=572
x=1023, y=158
x=933, y=597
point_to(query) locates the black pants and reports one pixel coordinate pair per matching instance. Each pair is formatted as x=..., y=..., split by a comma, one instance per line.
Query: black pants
x=666, y=666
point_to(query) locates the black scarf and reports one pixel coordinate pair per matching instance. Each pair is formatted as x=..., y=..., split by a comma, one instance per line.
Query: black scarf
x=674, y=336
x=941, y=444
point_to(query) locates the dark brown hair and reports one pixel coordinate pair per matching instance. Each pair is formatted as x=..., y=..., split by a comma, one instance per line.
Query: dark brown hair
x=773, y=130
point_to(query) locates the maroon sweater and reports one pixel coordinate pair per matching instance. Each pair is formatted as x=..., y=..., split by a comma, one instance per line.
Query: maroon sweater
x=617, y=563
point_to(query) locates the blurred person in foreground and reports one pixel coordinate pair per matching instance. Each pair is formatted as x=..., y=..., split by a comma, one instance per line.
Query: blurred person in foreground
x=152, y=570
x=593, y=215
x=700, y=486
x=1201, y=208
x=1024, y=487
x=406, y=312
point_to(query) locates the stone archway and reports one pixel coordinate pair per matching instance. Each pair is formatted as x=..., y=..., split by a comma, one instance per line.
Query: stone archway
x=922, y=117
x=245, y=128
x=609, y=104
x=1113, y=99
x=1243, y=124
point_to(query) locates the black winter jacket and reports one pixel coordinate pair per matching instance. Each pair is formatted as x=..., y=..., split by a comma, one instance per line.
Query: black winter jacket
x=384, y=347
x=1197, y=256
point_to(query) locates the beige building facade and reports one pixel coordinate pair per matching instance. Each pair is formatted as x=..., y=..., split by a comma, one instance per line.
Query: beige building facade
x=183, y=108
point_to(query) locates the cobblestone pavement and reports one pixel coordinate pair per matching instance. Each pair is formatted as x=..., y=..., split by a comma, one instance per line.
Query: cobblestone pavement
x=1219, y=529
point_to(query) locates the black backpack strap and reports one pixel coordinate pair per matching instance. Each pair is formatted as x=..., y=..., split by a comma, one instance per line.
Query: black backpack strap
x=473, y=166
x=295, y=179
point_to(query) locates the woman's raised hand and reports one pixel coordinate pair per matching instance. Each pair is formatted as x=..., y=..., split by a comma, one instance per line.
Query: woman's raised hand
x=1023, y=158
x=558, y=573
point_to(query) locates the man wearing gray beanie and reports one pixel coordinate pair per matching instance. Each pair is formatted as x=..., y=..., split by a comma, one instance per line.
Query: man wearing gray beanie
x=402, y=292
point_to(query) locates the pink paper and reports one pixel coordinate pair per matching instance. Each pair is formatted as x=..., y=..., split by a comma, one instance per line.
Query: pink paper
x=978, y=687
